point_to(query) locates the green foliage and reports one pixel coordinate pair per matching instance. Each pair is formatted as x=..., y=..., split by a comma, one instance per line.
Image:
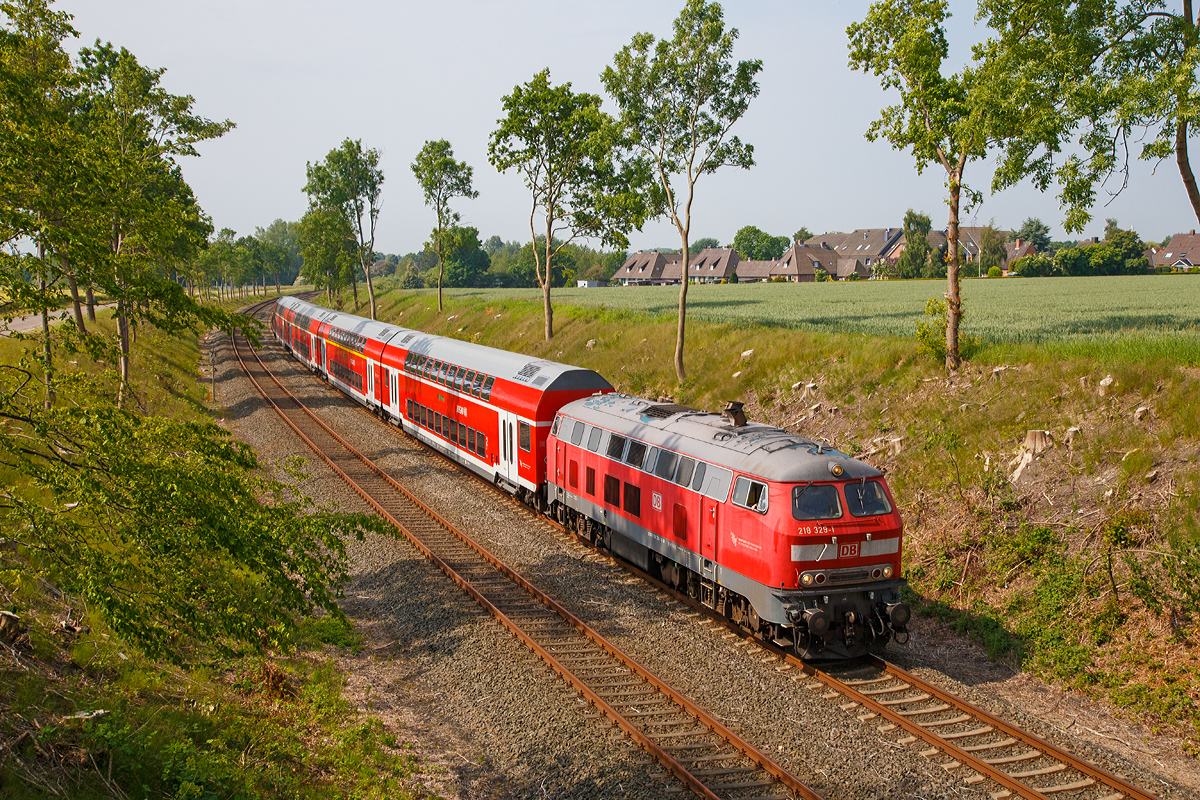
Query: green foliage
x=327, y=246
x=994, y=272
x=931, y=333
x=753, y=244
x=466, y=262
x=1033, y=266
x=700, y=244
x=802, y=235
x=991, y=249
x=1034, y=231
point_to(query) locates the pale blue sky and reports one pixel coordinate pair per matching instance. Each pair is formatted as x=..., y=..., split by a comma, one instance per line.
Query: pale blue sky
x=299, y=76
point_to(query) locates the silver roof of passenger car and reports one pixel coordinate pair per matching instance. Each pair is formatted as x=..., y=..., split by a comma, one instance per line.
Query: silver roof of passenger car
x=538, y=373
x=755, y=449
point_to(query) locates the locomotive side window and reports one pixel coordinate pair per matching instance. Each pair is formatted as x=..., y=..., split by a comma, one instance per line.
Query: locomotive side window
x=633, y=500
x=750, y=494
x=616, y=447
x=577, y=434
x=666, y=464
x=590, y=482
x=813, y=501
x=867, y=499
x=683, y=475
x=524, y=431
x=487, y=388
x=698, y=476
x=651, y=457
x=612, y=490
x=594, y=439
x=554, y=428
x=637, y=452
x=573, y=474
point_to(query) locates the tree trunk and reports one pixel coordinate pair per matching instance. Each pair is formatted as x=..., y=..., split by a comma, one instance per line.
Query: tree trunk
x=370, y=287
x=91, y=304
x=547, y=309
x=683, y=287
x=76, y=307
x=47, y=354
x=1185, y=167
x=953, y=298
x=123, y=361
x=277, y=284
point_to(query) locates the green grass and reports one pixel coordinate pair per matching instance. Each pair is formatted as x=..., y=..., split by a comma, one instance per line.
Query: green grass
x=1121, y=318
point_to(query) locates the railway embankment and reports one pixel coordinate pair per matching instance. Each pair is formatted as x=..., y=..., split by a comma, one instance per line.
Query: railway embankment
x=1049, y=492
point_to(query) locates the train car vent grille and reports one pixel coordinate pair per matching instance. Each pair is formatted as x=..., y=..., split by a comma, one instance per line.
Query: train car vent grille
x=528, y=371
x=664, y=412
x=539, y=380
x=408, y=338
x=838, y=576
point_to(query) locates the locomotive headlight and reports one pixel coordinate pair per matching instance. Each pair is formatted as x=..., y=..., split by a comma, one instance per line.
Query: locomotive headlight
x=806, y=579
x=836, y=469
x=887, y=570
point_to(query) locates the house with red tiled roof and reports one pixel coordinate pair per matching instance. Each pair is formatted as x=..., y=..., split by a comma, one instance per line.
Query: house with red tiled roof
x=1015, y=250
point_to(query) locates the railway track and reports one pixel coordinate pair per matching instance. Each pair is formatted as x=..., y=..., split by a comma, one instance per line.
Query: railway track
x=991, y=755
x=692, y=746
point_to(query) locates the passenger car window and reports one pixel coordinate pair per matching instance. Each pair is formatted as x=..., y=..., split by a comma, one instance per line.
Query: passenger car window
x=866, y=499
x=487, y=388
x=523, y=436
x=478, y=382
x=467, y=381
x=816, y=501
x=750, y=494
x=458, y=376
x=577, y=434
x=637, y=452
x=594, y=439
x=480, y=445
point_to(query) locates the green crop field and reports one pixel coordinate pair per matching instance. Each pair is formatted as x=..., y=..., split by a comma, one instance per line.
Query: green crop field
x=1128, y=317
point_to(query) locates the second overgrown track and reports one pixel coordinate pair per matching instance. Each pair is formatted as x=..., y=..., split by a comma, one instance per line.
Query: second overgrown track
x=694, y=747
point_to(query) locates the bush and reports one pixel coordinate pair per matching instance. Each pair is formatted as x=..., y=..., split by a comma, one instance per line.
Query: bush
x=994, y=272
x=931, y=333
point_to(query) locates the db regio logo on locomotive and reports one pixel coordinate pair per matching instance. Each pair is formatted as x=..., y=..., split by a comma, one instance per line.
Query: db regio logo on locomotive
x=656, y=501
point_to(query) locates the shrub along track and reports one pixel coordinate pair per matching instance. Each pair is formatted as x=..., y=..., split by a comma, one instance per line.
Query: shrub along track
x=691, y=745
x=970, y=738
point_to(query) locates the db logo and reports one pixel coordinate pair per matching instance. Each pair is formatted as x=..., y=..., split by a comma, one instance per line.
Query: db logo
x=656, y=501
x=848, y=550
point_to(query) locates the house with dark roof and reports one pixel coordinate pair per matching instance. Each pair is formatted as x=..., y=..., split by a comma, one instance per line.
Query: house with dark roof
x=712, y=265
x=868, y=245
x=1182, y=251
x=756, y=271
x=647, y=268
x=1015, y=250
x=936, y=239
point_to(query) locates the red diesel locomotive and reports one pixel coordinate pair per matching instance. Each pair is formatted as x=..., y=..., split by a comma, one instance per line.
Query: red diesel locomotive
x=786, y=536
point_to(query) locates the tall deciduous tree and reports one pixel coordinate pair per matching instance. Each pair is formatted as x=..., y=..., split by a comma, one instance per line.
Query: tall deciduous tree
x=1096, y=73
x=562, y=144
x=754, y=244
x=943, y=119
x=679, y=98
x=991, y=248
x=442, y=179
x=326, y=243
x=351, y=181
x=916, y=245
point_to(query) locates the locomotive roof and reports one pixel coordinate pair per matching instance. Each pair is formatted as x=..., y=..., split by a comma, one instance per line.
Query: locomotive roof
x=754, y=448
x=538, y=373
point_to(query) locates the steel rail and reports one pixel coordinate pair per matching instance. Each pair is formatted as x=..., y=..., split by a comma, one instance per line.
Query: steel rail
x=671, y=764
x=1047, y=748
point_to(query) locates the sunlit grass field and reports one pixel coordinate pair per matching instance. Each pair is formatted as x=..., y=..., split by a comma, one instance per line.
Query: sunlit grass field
x=1122, y=318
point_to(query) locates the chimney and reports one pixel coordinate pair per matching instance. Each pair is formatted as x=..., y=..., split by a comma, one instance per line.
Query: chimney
x=1018, y=244
x=733, y=412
